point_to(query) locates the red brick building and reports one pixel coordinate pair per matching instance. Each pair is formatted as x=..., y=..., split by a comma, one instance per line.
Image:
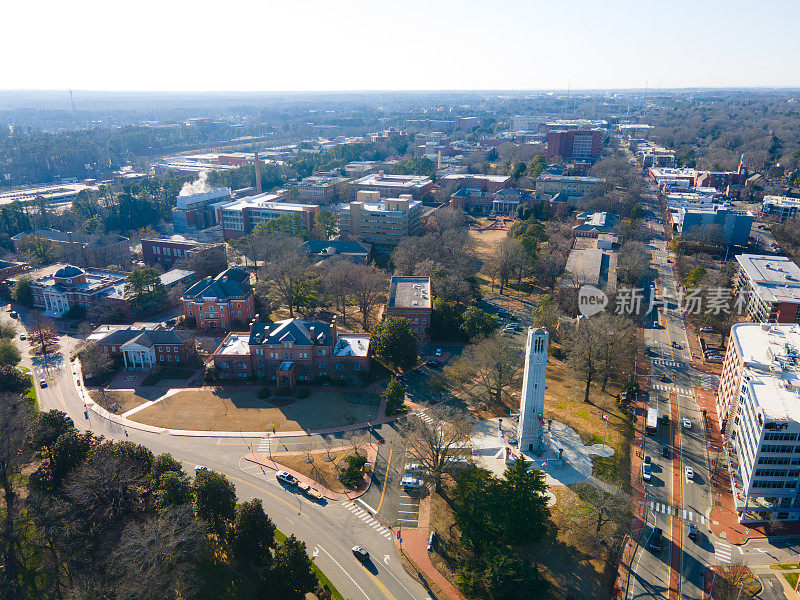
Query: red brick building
x=293, y=351
x=410, y=298
x=218, y=302
x=145, y=348
x=70, y=286
x=168, y=252
x=580, y=144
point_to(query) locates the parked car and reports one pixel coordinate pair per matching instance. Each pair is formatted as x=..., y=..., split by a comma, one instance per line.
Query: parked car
x=687, y=424
x=286, y=478
x=647, y=472
x=664, y=378
x=199, y=468
x=14, y=314
x=665, y=419
x=706, y=330
x=43, y=383
x=413, y=467
x=310, y=492
x=665, y=451
x=410, y=482
x=22, y=336
x=434, y=364
x=692, y=535
x=438, y=352
x=647, y=460
x=689, y=473
x=655, y=539
x=360, y=553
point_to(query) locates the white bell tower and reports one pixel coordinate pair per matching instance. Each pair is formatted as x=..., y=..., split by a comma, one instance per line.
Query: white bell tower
x=530, y=432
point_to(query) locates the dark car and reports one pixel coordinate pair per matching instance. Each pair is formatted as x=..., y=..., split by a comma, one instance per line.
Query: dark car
x=434, y=364
x=665, y=451
x=665, y=379
x=655, y=539
x=692, y=535
x=665, y=419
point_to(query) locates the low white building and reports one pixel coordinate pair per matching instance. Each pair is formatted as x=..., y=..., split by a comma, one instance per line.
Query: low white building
x=780, y=207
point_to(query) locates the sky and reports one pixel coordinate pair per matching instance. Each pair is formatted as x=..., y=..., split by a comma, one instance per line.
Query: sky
x=296, y=45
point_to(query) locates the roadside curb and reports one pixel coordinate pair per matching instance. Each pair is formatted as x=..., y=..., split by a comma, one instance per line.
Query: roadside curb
x=128, y=424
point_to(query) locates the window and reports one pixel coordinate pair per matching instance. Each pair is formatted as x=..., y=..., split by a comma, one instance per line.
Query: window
x=168, y=348
x=223, y=365
x=169, y=358
x=177, y=358
x=175, y=349
x=113, y=348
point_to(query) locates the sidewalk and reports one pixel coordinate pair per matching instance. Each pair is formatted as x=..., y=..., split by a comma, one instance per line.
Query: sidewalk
x=415, y=548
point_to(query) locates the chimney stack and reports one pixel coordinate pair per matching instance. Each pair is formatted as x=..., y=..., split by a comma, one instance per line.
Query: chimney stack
x=258, y=173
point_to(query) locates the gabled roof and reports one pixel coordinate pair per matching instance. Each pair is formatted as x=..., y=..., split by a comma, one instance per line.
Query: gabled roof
x=146, y=337
x=297, y=331
x=232, y=282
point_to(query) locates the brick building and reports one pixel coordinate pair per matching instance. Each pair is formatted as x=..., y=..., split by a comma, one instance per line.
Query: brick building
x=70, y=286
x=484, y=183
x=410, y=298
x=291, y=351
x=218, y=302
x=571, y=185
x=239, y=217
x=579, y=144
x=320, y=189
x=169, y=252
x=144, y=348
x=382, y=223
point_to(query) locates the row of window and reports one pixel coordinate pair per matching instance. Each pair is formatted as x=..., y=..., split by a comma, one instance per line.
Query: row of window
x=776, y=472
x=776, y=460
x=780, y=437
x=168, y=251
x=775, y=448
x=158, y=349
x=772, y=484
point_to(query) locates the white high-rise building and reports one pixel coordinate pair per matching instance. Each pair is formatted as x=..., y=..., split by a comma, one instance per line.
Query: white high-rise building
x=531, y=408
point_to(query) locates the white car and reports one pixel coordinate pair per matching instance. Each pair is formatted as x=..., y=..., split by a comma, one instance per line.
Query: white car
x=689, y=473
x=286, y=478
x=687, y=424
x=438, y=352
x=647, y=472
x=199, y=468
x=413, y=467
x=410, y=482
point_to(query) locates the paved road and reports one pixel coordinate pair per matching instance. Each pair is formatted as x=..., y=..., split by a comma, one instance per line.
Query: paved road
x=329, y=531
x=670, y=495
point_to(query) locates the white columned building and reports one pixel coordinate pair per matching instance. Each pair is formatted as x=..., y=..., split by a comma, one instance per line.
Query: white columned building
x=530, y=432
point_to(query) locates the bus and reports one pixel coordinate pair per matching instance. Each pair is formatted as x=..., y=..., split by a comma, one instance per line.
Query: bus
x=651, y=426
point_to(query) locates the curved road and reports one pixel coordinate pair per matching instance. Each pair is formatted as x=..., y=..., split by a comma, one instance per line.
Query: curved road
x=329, y=531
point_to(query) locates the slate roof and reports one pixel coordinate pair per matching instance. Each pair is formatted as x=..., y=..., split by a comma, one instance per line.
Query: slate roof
x=294, y=330
x=147, y=337
x=232, y=282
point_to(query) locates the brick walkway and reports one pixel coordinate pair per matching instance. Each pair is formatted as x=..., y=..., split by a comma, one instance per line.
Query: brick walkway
x=415, y=548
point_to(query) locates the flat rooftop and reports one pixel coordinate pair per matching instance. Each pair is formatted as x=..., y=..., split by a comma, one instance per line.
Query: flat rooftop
x=771, y=355
x=398, y=181
x=669, y=172
x=236, y=344
x=351, y=345
x=774, y=278
x=781, y=200
x=267, y=201
x=575, y=178
x=410, y=292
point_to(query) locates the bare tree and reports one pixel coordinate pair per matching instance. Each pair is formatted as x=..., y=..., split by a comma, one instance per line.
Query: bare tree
x=585, y=351
x=434, y=442
x=494, y=360
x=162, y=552
x=286, y=271
x=368, y=288
x=43, y=335
x=337, y=278
x=95, y=361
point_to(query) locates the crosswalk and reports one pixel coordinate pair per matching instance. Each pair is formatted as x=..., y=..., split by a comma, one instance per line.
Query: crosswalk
x=367, y=518
x=423, y=416
x=707, y=380
x=264, y=444
x=672, y=388
x=722, y=551
x=667, y=363
x=686, y=515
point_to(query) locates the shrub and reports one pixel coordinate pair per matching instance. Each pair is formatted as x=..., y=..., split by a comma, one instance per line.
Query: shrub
x=303, y=392
x=353, y=474
x=211, y=374
x=264, y=393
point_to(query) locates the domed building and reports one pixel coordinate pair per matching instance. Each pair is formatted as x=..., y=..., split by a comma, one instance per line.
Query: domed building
x=72, y=286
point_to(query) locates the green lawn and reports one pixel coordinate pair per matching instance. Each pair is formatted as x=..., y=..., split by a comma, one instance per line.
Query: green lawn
x=791, y=578
x=786, y=566
x=30, y=395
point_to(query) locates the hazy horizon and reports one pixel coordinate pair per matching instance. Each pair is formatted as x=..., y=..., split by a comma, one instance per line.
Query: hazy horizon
x=311, y=45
